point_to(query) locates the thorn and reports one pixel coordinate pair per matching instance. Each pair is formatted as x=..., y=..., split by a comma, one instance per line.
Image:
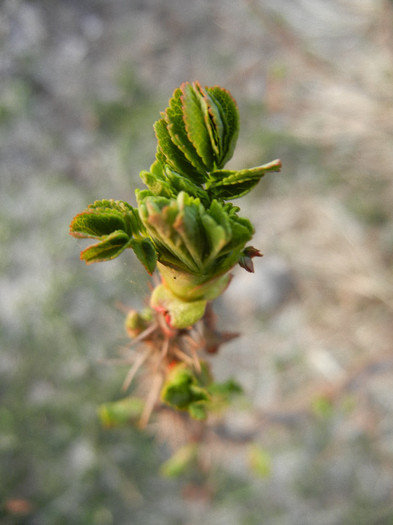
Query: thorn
x=134, y=369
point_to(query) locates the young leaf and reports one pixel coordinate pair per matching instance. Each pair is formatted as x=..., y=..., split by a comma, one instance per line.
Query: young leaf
x=104, y=204
x=159, y=216
x=217, y=229
x=229, y=184
x=114, y=224
x=179, y=183
x=112, y=246
x=188, y=227
x=169, y=153
x=181, y=388
x=104, y=217
x=195, y=123
x=225, y=115
x=145, y=252
x=174, y=118
x=242, y=231
x=95, y=224
x=216, y=236
x=214, y=126
x=156, y=184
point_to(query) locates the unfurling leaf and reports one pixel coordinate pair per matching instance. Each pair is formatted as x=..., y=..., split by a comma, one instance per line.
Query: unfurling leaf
x=198, y=131
x=195, y=111
x=172, y=155
x=92, y=224
x=229, y=184
x=117, y=226
x=175, y=122
x=157, y=184
x=225, y=119
x=104, y=217
x=112, y=246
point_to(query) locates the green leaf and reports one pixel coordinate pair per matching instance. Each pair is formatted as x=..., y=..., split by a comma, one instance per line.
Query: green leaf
x=229, y=184
x=242, y=232
x=104, y=217
x=179, y=183
x=166, y=221
x=156, y=184
x=169, y=153
x=217, y=229
x=194, y=109
x=219, y=213
x=181, y=388
x=198, y=131
x=216, y=236
x=178, y=133
x=228, y=232
x=225, y=116
x=117, y=225
x=145, y=252
x=188, y=227
x=111, y=204
x=95, y=224
x=214, y=126
x=233, y=191
x=158, y=168
x=133, y=224
x=112, y=246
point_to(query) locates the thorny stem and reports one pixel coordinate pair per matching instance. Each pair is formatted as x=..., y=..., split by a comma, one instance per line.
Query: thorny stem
x=151, y=399
x=187, y=228
x=162, y=346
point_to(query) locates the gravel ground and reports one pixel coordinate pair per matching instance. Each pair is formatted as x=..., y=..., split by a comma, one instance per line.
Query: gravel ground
x=81, y=83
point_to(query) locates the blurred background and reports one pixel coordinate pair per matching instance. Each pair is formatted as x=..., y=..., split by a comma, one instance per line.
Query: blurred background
x=81, y=83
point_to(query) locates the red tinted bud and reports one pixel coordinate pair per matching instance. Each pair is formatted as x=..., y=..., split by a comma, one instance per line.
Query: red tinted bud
x=245, y=260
